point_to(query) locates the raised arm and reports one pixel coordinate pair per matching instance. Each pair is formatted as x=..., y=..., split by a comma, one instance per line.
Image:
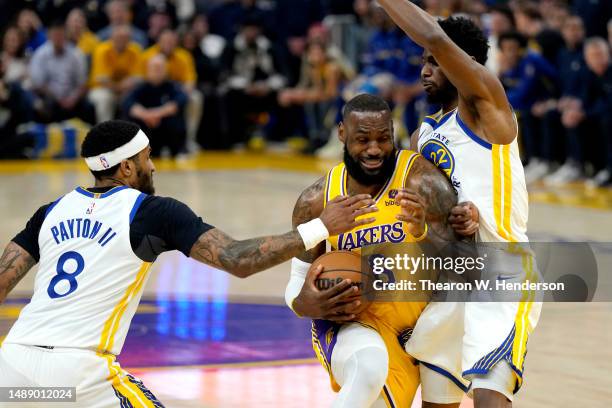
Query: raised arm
x=14, y=264
x=486, y=108
x=243, y=258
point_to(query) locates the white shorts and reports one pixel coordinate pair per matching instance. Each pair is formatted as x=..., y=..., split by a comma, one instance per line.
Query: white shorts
x=461, y=340
x=99, y=380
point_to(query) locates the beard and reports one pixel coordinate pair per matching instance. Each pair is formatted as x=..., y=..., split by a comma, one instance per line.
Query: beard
x=442, y=95
x=370, y=177
x=145, y=182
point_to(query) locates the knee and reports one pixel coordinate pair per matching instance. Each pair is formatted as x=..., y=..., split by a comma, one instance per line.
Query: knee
x=373, y=367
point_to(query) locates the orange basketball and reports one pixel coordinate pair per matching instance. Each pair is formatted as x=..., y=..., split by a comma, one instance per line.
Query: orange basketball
x=340, y=265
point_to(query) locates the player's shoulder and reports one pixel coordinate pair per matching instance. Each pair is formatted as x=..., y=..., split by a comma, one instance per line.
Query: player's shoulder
x=310, y=203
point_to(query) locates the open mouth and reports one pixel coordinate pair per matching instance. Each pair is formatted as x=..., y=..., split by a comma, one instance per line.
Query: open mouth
x=372, y=164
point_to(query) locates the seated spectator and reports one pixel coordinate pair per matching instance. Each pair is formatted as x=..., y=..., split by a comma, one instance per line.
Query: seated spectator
x=157, y=106
x=572, y=69
x=114, y=72
x=529, y=80
x=15, y=109
x=157, y=22
x=209, y=50
x=253, y=77
x=501, y=21
x=118, y=12
x=543, y=40
x=316, y=93
x=225, y=18
x=181, y=69
x=597, y=108
x=78, y=33
x=13, y=56
x=33, y=30
x=59, y=79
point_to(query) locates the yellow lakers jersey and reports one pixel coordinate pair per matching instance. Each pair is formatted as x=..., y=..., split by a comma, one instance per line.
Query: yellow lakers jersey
x=386, y=228
x=387, y=318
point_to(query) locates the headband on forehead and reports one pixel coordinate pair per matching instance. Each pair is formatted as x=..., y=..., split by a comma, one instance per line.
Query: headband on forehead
x=107, y=160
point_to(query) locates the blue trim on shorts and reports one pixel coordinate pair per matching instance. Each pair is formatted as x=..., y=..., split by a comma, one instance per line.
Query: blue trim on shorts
x=446, y=374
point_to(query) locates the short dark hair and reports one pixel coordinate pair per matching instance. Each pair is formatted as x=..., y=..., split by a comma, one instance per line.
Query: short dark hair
x=505, y=11
x=106, y=137
x=531, y=11
x=365, y=103
x=468, y=36
x=513, y=36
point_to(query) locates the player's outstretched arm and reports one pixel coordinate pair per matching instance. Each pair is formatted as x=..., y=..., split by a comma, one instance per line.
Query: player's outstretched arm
x=426, y=203
x=14, y=264
x=243, y=258
x=477, y=86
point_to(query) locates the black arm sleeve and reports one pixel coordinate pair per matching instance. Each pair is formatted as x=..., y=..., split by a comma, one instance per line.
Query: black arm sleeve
x=164, y=224
x=28, y=237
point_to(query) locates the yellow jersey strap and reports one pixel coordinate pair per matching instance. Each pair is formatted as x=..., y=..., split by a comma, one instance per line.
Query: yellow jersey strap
x=335, y=183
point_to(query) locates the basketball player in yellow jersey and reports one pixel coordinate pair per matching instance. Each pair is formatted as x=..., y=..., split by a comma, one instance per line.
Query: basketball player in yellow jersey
x=365, y=361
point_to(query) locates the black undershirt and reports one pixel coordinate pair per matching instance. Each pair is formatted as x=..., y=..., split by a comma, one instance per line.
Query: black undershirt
x=161, y=224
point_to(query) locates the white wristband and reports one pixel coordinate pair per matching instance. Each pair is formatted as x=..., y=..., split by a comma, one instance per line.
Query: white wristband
x=312, y=233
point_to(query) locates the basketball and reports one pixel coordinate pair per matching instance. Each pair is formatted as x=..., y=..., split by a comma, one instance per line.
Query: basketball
x=340, y=265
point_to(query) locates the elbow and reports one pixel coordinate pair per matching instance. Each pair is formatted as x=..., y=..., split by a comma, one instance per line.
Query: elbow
x=434, y=39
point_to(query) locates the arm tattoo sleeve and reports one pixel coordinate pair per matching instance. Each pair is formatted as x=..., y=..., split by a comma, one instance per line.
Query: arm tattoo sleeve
x=14, y=264
x=244, y=258
x=308, y=207
x=439, y=196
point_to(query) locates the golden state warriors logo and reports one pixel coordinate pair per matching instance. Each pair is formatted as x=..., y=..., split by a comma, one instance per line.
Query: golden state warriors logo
x=437, y=153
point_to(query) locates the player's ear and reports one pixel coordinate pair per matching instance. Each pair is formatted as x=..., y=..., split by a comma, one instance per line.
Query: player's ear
x=127, y=168
x=341, y=132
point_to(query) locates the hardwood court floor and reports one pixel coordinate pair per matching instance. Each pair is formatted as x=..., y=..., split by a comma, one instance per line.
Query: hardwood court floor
x=202, y=338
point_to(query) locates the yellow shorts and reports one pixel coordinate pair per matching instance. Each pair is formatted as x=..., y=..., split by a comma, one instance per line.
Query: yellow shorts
x=403, y=377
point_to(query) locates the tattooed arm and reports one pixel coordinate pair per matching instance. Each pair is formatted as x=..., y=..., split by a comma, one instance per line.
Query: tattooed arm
x=14, y=264
x=308, y=207
x=243, y=258
x=426, y=202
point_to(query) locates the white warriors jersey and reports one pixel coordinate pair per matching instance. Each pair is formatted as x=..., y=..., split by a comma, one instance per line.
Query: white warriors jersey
x=489, y=175
x=89, y=280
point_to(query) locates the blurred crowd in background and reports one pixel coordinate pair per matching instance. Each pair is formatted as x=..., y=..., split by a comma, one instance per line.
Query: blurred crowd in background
x=255, y=74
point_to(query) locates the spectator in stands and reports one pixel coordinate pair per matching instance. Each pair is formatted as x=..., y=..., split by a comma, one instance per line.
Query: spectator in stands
x=59, y=78
x=208, y=47
x=114, y=72
x=226, y=17
x=597, y=103
x=15, y=109
x=596, y=14
x=530, y=23
x=158, y=21
x=528, y=79
x=572, y=70
x=14, y=62
x=610, y=32
x=501, y=21
x=78, y=33
x=253, y=74
x=118, y=12
x=181, y=69
x=157, y=105
x=33, y=30
x=391, y=68
x=316, y=93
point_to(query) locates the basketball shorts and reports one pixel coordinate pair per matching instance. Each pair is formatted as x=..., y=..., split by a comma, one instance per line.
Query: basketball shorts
x=403, y=376
x=99, y=380
x=461, y=340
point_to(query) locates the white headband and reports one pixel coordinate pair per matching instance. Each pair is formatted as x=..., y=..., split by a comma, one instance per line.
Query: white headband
x=107, y=160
